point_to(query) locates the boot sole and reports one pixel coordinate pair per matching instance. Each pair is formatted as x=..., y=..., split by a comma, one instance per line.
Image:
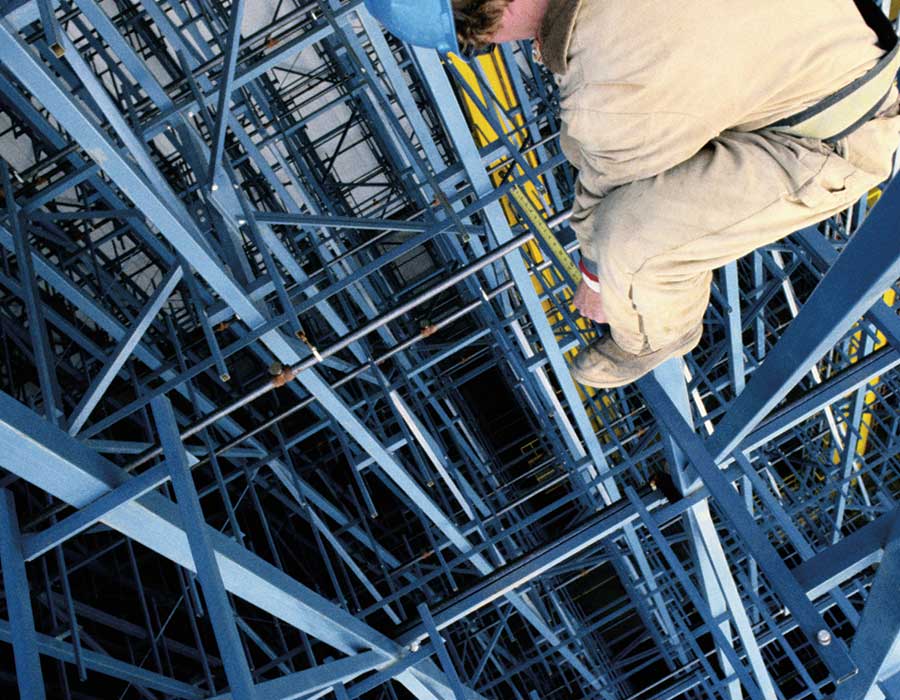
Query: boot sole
x=681, y=351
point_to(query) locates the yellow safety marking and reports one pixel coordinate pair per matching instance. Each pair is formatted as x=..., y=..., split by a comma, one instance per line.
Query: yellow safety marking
x=880, y=341
x=528, y=196
x=495, y=72
x=866, y=425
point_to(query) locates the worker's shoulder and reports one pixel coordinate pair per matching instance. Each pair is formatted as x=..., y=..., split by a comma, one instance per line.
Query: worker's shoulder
x=621, y=40
x=644, y=42
x=623, y=32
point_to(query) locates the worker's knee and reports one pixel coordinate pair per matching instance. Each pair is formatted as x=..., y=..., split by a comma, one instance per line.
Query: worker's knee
x=670, y=308
x=623, y=236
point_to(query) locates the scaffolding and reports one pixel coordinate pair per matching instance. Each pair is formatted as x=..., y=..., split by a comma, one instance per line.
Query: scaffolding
x=285, y=409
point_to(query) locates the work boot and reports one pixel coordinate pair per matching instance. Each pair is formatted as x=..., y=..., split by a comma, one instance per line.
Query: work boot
x=605, y=365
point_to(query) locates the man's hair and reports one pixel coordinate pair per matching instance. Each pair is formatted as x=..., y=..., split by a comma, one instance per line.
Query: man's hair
x=477, y=21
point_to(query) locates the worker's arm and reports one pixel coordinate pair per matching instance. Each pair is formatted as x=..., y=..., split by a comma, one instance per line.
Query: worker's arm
x=613, y=149
x=589, y=302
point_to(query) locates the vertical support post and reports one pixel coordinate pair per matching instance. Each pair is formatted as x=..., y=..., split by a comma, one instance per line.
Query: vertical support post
x=441, y=649
x=40, y=343
x=878, y=634
x=718, y=582
x=208, y=333
x=217, y=603
x=18, y=602
x=51, y=28
x=70, y=609
x=852, y=427
x=226, y=81
x=809, y=620
x=736, y=370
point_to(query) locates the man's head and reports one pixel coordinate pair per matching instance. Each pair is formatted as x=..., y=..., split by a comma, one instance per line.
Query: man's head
x=477, y=22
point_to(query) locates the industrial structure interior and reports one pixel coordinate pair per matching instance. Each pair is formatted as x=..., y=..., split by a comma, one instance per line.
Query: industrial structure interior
x=285, y=412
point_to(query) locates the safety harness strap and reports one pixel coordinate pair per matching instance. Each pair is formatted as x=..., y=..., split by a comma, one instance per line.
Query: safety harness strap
x=846, y=110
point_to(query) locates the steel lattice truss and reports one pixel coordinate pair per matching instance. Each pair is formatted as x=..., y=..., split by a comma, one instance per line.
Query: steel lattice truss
x=284, y=408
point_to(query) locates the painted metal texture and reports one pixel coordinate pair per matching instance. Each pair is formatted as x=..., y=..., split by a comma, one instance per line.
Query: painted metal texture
x=285, y=409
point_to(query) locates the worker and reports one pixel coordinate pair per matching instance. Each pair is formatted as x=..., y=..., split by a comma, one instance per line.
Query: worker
x=700, y=131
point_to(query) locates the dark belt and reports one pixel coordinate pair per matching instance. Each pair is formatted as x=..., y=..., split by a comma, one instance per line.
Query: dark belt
x=850, y=107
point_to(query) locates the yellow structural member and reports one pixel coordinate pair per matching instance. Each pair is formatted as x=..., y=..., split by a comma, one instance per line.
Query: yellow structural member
x=889, y=298
x=528, y=197
x=880, y=341
x=534, y=205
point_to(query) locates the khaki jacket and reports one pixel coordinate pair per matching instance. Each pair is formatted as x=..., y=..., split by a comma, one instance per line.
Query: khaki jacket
x=645, y=85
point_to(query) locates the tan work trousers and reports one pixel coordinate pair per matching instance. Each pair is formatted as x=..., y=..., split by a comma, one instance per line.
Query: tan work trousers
x=657, y=241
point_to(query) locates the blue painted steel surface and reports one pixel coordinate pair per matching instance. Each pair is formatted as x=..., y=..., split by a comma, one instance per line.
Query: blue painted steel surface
x=205, y=564
x=122, y=352
x=18, y=601
x=103, y=664
x=867, y=267
x=878, y=633
x=367, y=378
x=834, y=655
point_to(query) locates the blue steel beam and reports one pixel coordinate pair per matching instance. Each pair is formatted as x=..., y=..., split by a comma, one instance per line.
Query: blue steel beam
x=723, y=642
x=63, y=285
x=410, y=488
x=348, y=222
x=37, y=328
x=178, y=229
x=415, y=372
x=50, y=25
x=351, y=564
x=878, y=634
x=867, y=267
x=18, y=602
x=305, y=684
x=518, y=573
x=112, y=326
x=834, y=655
x=225, y=87
x=440, y=648
x=450, y=111
x=250, y=73
x=717, y=579
x=849, y=454
x=175, y=224
x=41, y=542
x=123, y=351
x=108, y=666
x=819, y=398
x=205, y=564
x=844, y=559
x=53, y=461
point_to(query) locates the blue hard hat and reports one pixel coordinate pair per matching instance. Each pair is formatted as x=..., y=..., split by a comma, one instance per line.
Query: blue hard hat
x=427, y=23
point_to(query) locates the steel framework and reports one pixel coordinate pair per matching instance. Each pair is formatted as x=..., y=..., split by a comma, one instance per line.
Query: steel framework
x=284, y=407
